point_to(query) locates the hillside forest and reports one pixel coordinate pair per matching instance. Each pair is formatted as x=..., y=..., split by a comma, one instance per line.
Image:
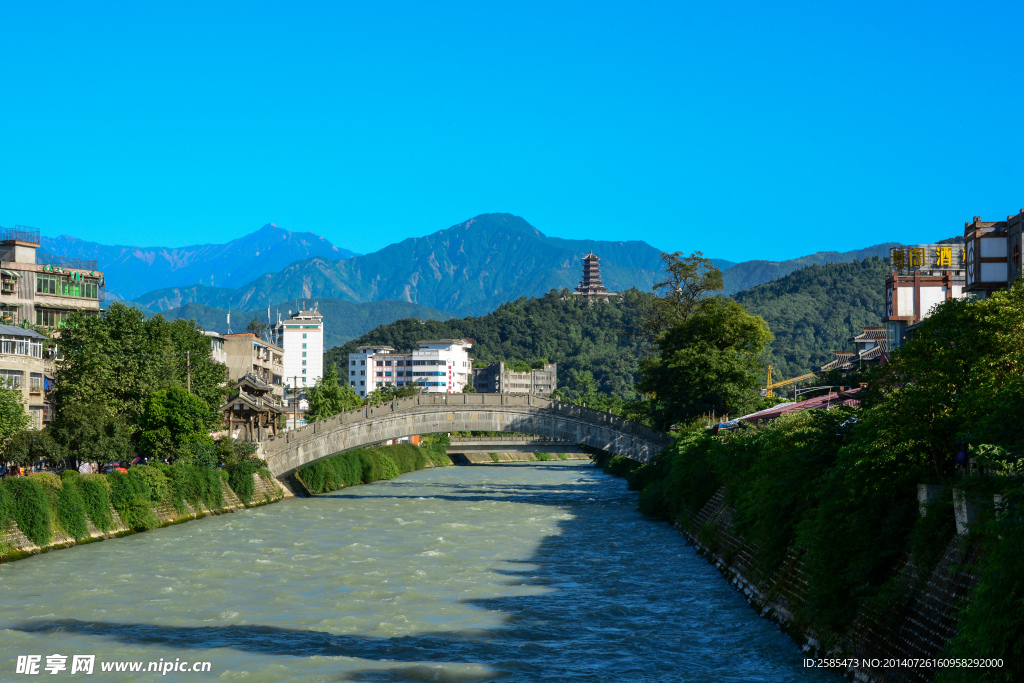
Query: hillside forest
x=811, y=312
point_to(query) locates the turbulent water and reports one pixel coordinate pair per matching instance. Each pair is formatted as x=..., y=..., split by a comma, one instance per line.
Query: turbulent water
x=531, y=572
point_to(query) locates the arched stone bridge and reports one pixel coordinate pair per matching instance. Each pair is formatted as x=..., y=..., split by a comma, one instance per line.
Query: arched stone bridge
x=432, y=413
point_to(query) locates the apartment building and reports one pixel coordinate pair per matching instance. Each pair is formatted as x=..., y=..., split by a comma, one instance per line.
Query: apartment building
x=26, y=366
x=497, y=378
x=437, y=366
x=302, y=338
x=43, y=290
x=247, y=354
x=217, y=351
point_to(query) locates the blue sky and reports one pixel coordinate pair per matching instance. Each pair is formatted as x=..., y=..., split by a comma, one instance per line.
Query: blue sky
x=741, y=129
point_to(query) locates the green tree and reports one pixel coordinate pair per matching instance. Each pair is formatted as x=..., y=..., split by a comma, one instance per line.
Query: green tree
x=328, y=397
x=31, y=445
x=709, y=363
x=173, y=422
x=115, y=360
x=688, y=281
x=13, y=417
x=89, y=433
x=257, y=327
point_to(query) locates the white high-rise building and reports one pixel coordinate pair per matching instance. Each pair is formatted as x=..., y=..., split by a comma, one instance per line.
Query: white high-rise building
x=438, y=366
x=302, y=338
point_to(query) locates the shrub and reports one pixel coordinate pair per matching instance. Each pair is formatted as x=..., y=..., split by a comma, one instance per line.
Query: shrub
x=544, y=457
x=240, y=477
x=494, y=457
x=155, y=481
x=30, y=508
x=137, y=513
x=65, y=503
x=96, y=500
x=366, y=465
x=196, y=486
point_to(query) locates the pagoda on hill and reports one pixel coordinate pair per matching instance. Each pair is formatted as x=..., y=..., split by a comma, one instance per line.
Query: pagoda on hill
x=590, y=287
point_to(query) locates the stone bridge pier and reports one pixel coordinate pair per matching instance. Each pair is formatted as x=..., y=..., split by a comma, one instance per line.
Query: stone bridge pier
x=433, y=413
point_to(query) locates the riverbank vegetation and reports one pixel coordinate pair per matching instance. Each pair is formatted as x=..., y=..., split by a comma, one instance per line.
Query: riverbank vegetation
x=47, y=507
x=838, y=488
x=367, y=465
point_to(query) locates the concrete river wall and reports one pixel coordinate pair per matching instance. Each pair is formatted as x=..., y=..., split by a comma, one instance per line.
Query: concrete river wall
x=917, y=626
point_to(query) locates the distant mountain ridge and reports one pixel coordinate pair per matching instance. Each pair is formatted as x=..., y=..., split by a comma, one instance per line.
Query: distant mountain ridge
x=131, y=271
x=468, y=269
x=752, y=273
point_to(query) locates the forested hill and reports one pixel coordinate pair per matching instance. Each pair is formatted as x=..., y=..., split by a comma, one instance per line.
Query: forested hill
x=811, y=312
x=600, y=338
x=815, y=310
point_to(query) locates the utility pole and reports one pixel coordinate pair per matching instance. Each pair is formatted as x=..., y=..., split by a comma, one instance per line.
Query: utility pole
x=295, y=398
x=188, y=370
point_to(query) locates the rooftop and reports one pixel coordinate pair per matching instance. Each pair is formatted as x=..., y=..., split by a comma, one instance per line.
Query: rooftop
x=12, y=331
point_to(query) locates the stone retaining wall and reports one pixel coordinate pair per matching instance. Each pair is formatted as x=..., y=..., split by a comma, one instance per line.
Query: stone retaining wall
x=17, y=545
x=918, y=624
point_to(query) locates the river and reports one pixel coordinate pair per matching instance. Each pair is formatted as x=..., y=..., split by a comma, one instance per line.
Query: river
x=528, y=572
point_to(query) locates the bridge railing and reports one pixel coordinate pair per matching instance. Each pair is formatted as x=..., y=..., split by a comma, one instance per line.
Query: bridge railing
x=468, y=401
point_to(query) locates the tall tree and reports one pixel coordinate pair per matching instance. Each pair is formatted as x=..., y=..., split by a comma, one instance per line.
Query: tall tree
x=113, y=361
x=328, y=397
x=710, y=362
x=13, y=417
x=173, y=422
x=257, y=327
x=688, y=280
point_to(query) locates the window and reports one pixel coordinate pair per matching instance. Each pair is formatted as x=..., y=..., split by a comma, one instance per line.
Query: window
x=353, y=373
x=362, y=383
x=303, y=335
x=352, y=363
x=362, y=362
x=47, y=317
x=387, y=374
x=380, y=374
x=303, y=362
x=362, y=372
x=387, y=363
x=11, y=378
x=303, y=354
x=303, y=372
x=380, y=363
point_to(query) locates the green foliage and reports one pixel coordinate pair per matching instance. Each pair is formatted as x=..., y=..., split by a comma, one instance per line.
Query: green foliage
x=688, y=281
x=708, y=363
x=172, y=421
x=196, y=486
x=329, y=397
x=88, y=432
x=30, y=508
x=95, y=494
x=991, y=623
x=13, y=417
x=544, y=457
x=494, y=457
x=815, y=310
x=32, y=445
x=932, y=532
x=604, y=339
x=240, y=477
x=155, y=480
x=365, y=465
x=71, y=510
x=114, y=361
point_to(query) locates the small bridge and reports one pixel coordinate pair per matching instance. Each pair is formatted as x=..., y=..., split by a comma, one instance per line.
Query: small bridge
x=433, y=413
x=510, y=444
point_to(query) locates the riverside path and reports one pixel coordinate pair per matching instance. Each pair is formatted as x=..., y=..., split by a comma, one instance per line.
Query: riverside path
x=433, y=413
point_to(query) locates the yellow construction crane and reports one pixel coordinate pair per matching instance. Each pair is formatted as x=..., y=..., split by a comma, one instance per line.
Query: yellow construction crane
x=769, y=386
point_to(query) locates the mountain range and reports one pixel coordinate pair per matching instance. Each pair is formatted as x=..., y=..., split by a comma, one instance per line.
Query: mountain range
x=467, y=269
x=131, y=271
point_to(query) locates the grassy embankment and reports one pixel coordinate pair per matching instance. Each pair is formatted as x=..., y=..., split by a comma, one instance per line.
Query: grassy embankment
x=48, y=508
x=366, y=465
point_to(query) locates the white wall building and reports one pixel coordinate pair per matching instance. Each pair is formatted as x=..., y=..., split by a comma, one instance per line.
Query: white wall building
x=440, y=366
x=302, y=338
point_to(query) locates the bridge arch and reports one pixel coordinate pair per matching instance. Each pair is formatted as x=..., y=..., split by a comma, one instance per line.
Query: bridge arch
x=433, y=413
